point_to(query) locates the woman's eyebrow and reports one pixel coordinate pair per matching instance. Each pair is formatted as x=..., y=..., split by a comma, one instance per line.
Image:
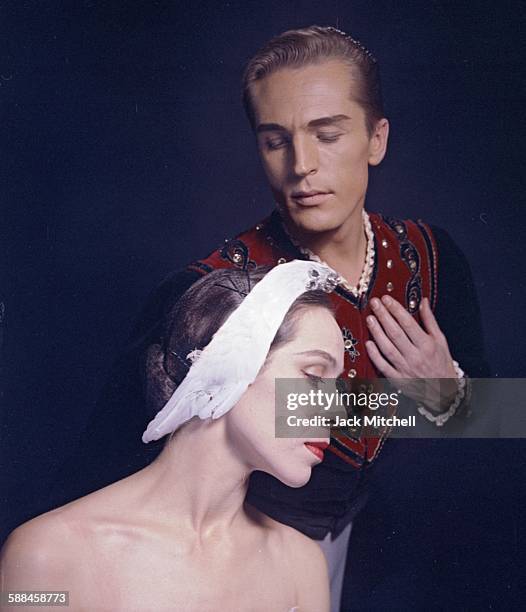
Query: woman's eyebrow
x=319, y=353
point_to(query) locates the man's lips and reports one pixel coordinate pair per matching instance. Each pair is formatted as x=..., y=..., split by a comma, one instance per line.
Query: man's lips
x=317, y=448
x=310, y=198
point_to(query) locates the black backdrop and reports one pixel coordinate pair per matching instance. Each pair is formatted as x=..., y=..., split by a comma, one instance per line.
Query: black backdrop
x=125, y=154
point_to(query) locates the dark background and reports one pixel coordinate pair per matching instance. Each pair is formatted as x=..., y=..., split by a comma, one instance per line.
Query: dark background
x=125, y=154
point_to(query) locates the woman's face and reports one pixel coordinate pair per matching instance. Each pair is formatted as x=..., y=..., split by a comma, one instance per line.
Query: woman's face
x=316, y=350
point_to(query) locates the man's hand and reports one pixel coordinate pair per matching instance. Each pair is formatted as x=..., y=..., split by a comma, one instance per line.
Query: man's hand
x=402, y=349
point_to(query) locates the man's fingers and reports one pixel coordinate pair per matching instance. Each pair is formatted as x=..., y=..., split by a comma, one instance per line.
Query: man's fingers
x=388, y=349
x=391, y=327
x=413, y=330
x=381, y=364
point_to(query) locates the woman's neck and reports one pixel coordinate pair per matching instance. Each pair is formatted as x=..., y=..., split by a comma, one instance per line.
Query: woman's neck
x=197, y=478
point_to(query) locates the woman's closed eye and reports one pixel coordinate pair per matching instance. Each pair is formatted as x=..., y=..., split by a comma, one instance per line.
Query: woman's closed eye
x=314, y=380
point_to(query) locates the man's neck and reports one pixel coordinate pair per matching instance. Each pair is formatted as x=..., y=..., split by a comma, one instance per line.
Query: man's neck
x=343, y=249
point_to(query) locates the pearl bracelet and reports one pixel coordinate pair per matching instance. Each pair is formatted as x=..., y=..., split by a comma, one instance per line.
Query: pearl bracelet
x=440, y=419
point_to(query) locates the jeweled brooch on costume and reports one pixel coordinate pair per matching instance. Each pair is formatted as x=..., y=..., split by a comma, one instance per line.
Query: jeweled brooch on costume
x=349, y=343
x=326, y=282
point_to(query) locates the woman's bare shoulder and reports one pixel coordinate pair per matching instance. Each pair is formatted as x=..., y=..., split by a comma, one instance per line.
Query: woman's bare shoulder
x=307, y=564
x=54, y=537
x=39, y=552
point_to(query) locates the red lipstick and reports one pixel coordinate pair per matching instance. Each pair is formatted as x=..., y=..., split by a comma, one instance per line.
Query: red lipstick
x=317, y=448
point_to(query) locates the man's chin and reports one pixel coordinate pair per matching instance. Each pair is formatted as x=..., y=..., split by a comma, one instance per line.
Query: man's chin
x=313, y=222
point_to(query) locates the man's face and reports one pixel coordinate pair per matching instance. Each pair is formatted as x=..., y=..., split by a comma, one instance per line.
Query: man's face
x=314, y=144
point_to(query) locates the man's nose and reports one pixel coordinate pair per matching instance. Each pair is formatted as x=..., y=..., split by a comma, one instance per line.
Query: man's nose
x=305, y=156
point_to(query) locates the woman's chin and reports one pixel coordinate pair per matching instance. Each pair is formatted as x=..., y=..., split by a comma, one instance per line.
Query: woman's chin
x=296, y=480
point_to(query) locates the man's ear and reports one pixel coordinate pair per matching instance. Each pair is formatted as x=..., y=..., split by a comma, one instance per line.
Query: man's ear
x=378, y=142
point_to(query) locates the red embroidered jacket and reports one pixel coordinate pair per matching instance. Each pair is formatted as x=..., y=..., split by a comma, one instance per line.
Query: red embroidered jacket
x=405, y=267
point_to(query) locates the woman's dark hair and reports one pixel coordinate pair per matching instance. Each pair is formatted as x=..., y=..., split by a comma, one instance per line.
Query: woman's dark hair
x=312, y=45
x=197, y=315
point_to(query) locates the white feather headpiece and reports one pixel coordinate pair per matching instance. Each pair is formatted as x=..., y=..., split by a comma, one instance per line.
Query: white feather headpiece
x=230, y=362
